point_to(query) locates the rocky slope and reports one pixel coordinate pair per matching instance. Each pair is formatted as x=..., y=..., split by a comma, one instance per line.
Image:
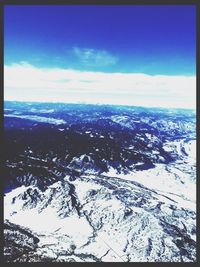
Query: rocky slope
x=18, y=242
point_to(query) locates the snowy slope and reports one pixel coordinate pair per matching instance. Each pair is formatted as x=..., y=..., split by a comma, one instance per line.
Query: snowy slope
x=105, y=219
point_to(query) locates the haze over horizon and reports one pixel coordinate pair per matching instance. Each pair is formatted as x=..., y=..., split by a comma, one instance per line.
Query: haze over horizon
x=135, y=55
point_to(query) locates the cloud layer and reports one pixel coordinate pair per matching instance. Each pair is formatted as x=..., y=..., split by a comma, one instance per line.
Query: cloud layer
x=25, y=82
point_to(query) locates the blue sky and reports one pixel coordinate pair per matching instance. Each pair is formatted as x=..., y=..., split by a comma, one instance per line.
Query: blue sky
x=152, y=40
x=149, y=39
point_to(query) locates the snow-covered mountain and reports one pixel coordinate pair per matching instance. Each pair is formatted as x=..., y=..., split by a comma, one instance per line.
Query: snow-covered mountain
x=110, y=183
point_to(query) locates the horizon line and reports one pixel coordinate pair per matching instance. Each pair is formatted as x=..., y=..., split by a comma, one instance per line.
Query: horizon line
x=98, y=104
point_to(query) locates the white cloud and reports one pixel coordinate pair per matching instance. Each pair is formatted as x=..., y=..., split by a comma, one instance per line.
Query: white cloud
x=25, y=82
x=94, y=57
